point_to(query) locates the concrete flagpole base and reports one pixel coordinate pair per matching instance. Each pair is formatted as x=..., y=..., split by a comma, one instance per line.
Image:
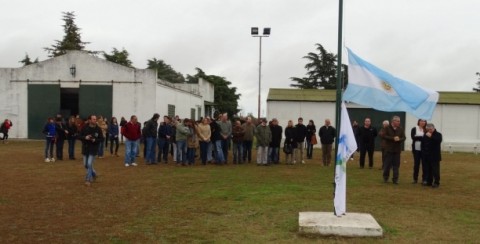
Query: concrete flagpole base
x=349, y=225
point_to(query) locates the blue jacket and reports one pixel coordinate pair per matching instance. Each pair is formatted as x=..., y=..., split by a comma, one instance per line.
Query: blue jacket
x=49, y=130
x=165, y=130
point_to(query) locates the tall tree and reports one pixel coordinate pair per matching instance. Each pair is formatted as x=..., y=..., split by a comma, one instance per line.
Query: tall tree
x=71, y=40
x=26, y=61
x=478, y=83
x=165, y=71
x=321, y=70
x=226, y=97
x=119, y=57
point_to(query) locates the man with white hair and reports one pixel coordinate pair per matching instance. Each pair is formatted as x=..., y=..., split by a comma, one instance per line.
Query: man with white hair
x=394, y=136
x=431, y=149
x=383, y=142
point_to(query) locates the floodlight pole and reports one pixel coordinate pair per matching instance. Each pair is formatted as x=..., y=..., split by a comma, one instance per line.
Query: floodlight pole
x=257, y=34
x=259, y=77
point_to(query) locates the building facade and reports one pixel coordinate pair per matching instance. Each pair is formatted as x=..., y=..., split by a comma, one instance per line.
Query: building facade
x=79, y=83
x=457, y=115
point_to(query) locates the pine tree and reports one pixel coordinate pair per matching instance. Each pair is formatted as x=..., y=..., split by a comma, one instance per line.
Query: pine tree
x=72, y=39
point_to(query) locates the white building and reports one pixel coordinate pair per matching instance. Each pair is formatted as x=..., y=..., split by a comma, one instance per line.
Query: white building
x=79, y=83
x=457, y=115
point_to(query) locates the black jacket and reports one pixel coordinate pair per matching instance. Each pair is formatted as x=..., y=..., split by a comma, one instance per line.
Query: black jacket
x=276, y=135
x=300, y=132
x=327, y=134
x=431, y=146
x=366, y=136
x=90, y=147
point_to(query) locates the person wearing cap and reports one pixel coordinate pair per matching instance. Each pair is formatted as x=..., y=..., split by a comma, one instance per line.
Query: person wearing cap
x=264, y=137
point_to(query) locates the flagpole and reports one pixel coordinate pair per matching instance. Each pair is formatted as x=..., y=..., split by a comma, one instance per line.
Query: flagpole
x=339, y=87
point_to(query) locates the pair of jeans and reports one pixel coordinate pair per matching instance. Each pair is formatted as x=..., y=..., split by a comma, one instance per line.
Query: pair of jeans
x=130, y=150
x=309, y=149
x=273, y=154
x=59, y=143
x=88, y=163
x=204, y=151
x=225, y=146
x=210, y=151
x=247, y=151
x=219, y=152
x=71, y=148
x=150, y=144
x=49, y=142
x=163, y=145
x=191, y=155
x=238, y=152
x=182, y=151
x=112, y=141
x=101, y=147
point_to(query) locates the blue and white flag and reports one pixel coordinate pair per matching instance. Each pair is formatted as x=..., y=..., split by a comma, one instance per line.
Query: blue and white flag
x=375, y=88
x=346, y=147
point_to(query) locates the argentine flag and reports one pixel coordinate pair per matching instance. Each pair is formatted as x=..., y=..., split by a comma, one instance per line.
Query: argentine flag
x=346, y=147
x=375, y=88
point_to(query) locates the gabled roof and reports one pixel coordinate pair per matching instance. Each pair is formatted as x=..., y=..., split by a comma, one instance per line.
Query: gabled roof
x=316, y=95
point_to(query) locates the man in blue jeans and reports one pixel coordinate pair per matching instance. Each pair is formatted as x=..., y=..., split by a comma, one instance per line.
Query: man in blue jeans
x=91, y=136
x=131, y=132
x=151, y=139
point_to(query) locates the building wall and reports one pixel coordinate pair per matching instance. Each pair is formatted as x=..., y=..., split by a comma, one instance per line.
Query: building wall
x=135, y=91
x=459, y=124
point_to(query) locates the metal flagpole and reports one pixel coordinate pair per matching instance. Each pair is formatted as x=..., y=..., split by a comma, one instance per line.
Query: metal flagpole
x=339, y=88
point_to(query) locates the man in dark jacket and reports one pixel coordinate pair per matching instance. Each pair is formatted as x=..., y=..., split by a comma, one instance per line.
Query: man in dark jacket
x=165, y=133
x=91, y=136
x=366, y=141
x=150, y=139
x=394, y=137
x=274, y=149
x=431, y=149
x=327, y=135
x=300, y=134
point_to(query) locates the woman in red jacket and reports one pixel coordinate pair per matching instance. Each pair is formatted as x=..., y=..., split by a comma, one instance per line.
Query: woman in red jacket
x=4, y=129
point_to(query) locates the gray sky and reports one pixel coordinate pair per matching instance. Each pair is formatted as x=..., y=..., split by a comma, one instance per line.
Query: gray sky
x=433, y=43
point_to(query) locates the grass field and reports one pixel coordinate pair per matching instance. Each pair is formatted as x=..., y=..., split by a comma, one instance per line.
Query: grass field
x=48, y=202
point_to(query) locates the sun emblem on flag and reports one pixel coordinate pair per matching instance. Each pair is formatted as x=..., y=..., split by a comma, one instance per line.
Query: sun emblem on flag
x=386, y=86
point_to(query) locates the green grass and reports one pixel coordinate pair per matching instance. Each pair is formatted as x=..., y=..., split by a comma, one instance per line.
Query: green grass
x=45, y=202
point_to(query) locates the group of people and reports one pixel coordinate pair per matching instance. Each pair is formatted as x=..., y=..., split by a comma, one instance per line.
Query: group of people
x=213, y=138
x=426, y=149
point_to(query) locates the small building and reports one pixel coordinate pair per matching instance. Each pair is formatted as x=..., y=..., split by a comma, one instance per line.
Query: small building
x=80, y=83
x=457, y=115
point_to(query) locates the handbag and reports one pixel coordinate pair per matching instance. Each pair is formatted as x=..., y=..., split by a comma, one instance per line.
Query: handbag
x=314, y=140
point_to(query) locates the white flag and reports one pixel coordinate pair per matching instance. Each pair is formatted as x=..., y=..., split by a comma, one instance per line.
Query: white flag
x=346, y=147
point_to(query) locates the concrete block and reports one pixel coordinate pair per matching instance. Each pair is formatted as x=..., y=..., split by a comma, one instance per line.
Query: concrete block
x=350, y=225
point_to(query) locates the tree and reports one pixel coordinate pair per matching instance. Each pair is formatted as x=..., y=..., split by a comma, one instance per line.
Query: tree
x=119, y=57
x=26, y=61
x=72, y=39
x=165, y=71
x=226, y=98
x=478, y=83
x=321, y=71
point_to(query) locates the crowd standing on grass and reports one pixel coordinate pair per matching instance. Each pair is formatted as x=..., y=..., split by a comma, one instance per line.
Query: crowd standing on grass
x=209, y=140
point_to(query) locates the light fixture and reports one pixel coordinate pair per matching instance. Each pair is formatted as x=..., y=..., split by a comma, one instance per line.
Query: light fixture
x=73, y=70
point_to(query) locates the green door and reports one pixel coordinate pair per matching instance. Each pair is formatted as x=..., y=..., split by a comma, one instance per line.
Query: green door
x=377, y=118
x=95, y=99
x=43, y=102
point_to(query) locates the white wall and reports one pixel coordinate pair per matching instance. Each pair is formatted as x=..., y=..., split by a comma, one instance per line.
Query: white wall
x=458, y=123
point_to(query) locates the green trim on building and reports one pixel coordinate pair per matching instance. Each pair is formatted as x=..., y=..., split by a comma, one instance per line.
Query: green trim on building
x=315, y=95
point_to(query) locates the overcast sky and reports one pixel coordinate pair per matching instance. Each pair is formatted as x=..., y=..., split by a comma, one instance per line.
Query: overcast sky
x=433, y=43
